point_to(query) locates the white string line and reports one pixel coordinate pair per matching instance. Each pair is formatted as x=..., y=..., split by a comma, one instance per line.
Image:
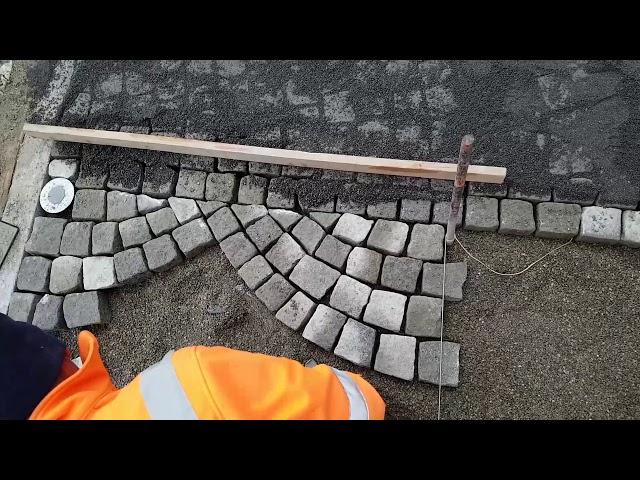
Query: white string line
x=508, y=274
x=444, y=278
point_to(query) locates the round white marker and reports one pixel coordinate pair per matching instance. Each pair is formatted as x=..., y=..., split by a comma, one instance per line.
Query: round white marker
x=56, y=195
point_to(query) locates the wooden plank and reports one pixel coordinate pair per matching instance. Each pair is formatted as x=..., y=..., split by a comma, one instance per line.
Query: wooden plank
x=351, y=163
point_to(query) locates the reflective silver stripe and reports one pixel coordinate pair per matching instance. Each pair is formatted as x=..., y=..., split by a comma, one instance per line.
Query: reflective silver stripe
x=163, y=394
x=358, y=409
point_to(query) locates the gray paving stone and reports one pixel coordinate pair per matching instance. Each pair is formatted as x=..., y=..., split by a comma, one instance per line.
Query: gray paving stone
x=356, y=343
x=427, y=242
x=131, y=266
x=264, y=233
x=600, y=225
x=249, y=214
x=46, y=236
x=396, y=356
x=105, y=238
x=297, y=172
x=348, y=205
x=66, y=275
x=309, y=203
x=208, y=208
x=159, y=182
x=162, y=221
x=191, y=184
x=33, y=275
x=488, y=189
x=285, y=254
x=333, y=251
x=227, y=165
x=309, y=234
x=87, y=308
x=424, y=316
x=481, y=214
x=134, y=232
x=121, y=206
x=516, y=217
x=76, y=239
x=630, y=228
x=22, y=306
x=253, y=190
x=325, y=220
x=98, y=273
x=364, y=264
x=558, y=220
x=193, y=237
x=400, y=273
x=161, y=253
x=92, y=175
x=275, y=292
x=388, y=237
x=352, y=229
x=285, y=218
x=90, y=205
x=415, y=210
x=63, y=168
x=350, y=296
x=388, y=210
x=238, y=249
x=297, y=311
x=221, y=187
x=198, y=162
x=314, y=277
x=48, y=313
x=385, y=309
x=125, y=175
x=223, y=223
x=281, y=193
x=432, y=280
x=185, y=209
x=441, y=213
x=577, y=190
x=147, y=204
x=7, y=236
x=255, y=272
x=429, y=363
x=266, y=169
x=324, y=327
x=531, y=194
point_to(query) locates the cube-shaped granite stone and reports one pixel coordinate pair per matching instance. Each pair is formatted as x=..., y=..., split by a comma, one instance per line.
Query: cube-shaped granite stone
x=333, y=251
x=630, y=228
x=600, y=225
x=325, y=220
x=33, y=275
x=516, y=217
x=558, y=220
x=223, y=223
x=441, y=212
x=481, y=214
x=131, y=266
x=356, y=343
x=275, y=292
x=415, y=210
x=249, y=214
x=48, y=313
x=209, y=207
x=266, y=169
x=350, y=296
x=22, y=306
x=147, y=204
x=432, y=280
x=400, y=273
x=63, y=168
x=349, y=205
x=193, y=237
x=46, y=236
x=159, y=182
x=87, y=308
x=352, y=229
x=385, y=309
x=105, y=238
x=324, y=327
x=90, y=205
x=297, y=311
x=221, y=187
x=388, y=210
x=253, y=190
x=185, y=209
x=162, y=221
x=427, y=242
x=264, y=233
x=314, y=277
x=255, y=272
x=191, y=184
x=228, y=165
x=98, y=273
x=121, y=206
x=285, y=218
x=424, y=316
x=364, y=264
x=66, y=275
x=396, y=356
x=238, y=249
x=76, y=239
x=198, y=162
x=388, y=237
x=285, y=254
x=134, y=232
x=429, y=363
x=162, y=253
x=309, y=234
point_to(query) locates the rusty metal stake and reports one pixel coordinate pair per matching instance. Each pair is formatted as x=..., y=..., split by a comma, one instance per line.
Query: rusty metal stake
x=466, y=150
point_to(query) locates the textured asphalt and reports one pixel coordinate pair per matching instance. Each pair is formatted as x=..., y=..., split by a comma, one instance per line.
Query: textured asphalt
x=559, y=342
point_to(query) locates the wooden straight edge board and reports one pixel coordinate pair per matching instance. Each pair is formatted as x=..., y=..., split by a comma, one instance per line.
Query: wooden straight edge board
x=351, y=163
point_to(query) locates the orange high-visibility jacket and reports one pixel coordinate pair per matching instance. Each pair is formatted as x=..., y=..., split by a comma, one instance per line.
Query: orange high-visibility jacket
x=211, y=383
